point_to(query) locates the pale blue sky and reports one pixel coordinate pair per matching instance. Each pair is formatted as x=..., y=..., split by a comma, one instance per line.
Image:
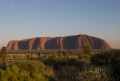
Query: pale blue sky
x=21, y=19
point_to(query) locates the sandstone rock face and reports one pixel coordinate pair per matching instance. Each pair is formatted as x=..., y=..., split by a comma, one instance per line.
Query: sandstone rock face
x=69, y=42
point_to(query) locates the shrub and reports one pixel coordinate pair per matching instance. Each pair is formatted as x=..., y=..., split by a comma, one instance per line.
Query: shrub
x=24, y=71
x=34, y=67
x=88, y=73
x=91, y=73
x=111, y=58
x=87, y=49
x=4, y=54
x=67, y=73
x=101, y=59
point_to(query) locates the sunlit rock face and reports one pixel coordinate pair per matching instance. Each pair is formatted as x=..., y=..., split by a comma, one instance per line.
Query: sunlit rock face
x=68, y=42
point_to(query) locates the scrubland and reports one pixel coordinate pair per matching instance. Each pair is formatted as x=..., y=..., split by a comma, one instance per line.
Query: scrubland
x=60, y=66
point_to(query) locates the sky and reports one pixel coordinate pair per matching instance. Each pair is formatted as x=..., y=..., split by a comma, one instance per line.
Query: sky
x=22, y=19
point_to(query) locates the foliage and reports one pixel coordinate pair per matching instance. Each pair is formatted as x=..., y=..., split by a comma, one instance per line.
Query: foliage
x=59, y=63
x=87, y=49
x=106, y=58
x=34, y=67
x=16, y=73
x=92, y=73
x=111, y=58
x=102, y=58
x=103, y=66
x=88, y=73
x=4, y=54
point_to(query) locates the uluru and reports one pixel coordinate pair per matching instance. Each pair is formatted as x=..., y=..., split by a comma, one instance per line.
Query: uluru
x=75, y=42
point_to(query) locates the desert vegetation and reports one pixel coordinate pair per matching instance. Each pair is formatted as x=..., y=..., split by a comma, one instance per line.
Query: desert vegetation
x=59, y=65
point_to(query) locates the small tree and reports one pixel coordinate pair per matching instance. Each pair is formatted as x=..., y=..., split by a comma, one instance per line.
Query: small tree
x=64, y=53
x=14, y=57
x=79, y=56
x=59, y=53
x=4, y=54
x=39, y=55
x=45, y=55
x=28, y=57
x=87, y=49
x=31, y=56
x=87, y=53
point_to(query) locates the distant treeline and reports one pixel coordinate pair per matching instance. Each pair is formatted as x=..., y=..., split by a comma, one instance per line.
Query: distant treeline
x=49, y=51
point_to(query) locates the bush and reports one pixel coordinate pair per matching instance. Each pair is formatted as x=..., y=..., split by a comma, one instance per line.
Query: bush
x=87, y=49
x=34, y=67
x=24, y=71
x=101, y=59
x=67, y=73
x=87, y=73
x=92, y=73
x=111, y=58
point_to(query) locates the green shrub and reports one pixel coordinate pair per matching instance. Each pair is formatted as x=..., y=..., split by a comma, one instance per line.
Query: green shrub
x=87, y=73
x=102, y=59
x=87, y=49
x=91, y=73
x=111, y=59
x=24, y=71
x=34, y=67
x=67, y=73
